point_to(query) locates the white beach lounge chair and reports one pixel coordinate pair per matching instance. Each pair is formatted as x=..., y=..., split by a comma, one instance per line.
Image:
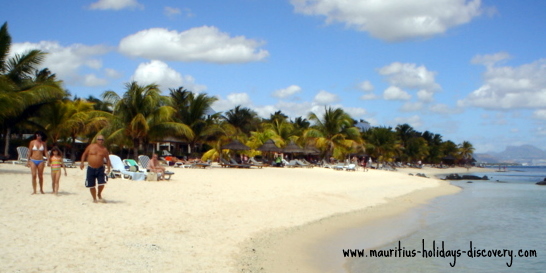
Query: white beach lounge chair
x=119, y=169
x=22, y=155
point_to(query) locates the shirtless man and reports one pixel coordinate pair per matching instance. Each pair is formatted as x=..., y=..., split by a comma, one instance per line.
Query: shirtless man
x=96, y=154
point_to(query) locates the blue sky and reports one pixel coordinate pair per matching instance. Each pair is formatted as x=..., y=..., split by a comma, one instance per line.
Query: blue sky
x=469, y=70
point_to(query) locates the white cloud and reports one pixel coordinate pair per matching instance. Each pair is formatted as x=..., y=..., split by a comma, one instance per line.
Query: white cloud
x=490, y=59
x=325, y=98
x=410, y=76
x=93, y=80
x=507, y=87
x=116, y=5
x=171, y=12
x=160, y=73
x=411, y=106
x=287, y=92
x=294, y=109
x=394, y=20
x=441, y=108
x=540, y=114
x=355, y=112
x=369, y=96
x=414, y=121
x=112, y=73
x=66, y=62
x=425, y=95
x=395, y=93
x=231, y=101
x=366, y=86
x=206, y=44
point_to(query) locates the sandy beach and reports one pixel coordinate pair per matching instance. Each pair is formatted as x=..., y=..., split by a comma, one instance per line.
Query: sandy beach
x=202, y=220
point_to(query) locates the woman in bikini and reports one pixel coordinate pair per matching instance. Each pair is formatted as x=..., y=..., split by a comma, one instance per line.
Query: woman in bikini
x=56, y=162
x=36, y=162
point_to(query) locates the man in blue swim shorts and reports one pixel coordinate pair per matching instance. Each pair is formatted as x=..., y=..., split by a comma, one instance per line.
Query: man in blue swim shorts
x=96, y=155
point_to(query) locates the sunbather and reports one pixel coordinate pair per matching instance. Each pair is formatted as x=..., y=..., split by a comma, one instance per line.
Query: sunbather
x=154, y=166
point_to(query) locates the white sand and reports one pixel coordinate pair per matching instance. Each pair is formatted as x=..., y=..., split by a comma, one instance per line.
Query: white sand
x=200, y=221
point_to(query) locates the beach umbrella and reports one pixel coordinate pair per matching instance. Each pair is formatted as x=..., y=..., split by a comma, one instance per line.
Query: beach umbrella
x=292, y=148
x=236, y=145
x=269, y=146
x=310, y=150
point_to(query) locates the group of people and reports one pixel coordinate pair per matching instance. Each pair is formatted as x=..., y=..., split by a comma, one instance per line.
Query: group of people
x=38, y=150
x=98, y=165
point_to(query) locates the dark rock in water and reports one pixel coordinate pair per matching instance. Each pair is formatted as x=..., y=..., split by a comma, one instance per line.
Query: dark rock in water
x=455, y=176
x=469, y=182
x=542, y=183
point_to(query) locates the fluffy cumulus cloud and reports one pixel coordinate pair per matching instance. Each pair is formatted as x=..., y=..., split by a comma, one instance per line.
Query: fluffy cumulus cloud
x=394, y=20
x=507, y=87
x=366, y=86
x=286, y=92
x=206, y=44
x=410, y=76
x=67, y=62
x=116, y=5
x=160, y=73
x=395, y=93
x=231, y=101
x=325, y=98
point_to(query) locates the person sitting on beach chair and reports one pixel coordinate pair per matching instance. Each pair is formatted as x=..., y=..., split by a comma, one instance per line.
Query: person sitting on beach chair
x=155, y=167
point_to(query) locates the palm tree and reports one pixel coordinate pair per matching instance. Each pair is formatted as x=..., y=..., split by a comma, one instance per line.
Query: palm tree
x=195, y=111
x=142, y=115
x=382, y=144
x=334, y=133
x=23, y=89
x=405, y=132
x=65, y=120
x=466, y=151
x=243, y=119
x=416, y=149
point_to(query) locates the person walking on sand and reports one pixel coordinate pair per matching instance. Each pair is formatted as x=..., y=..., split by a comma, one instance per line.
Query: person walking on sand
x=56, y=162
x=38, y=150
x=96, y=155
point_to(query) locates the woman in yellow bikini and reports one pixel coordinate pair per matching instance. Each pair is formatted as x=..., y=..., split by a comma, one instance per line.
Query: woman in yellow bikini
x=38, y=150
x=56, y=162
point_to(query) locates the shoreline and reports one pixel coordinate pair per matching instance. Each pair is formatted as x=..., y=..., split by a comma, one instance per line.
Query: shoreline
x=316, y=246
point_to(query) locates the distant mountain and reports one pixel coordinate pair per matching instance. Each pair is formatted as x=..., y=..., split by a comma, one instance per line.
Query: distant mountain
x=527, y=154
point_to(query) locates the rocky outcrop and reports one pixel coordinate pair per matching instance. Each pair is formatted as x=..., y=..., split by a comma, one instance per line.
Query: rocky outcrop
x=455, y=176
x=542, y=183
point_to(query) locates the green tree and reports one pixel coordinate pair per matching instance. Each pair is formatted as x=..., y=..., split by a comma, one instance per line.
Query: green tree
x=334, y=133
x=142, y=115
x=382, y=144
x=195, y=111
x=23, y=89
x=243, y=119
x=466, y=151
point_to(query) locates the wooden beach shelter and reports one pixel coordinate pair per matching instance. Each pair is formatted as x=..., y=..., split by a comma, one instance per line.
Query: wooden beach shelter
x=235, y=145
x=269, y=146
x=292, y=148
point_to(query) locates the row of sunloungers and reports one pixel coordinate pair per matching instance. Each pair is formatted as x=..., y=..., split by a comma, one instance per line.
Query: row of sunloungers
x=234, y=164
x=340, y=166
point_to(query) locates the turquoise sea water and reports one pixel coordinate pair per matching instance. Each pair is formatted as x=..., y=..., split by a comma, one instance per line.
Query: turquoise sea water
x=507, y=213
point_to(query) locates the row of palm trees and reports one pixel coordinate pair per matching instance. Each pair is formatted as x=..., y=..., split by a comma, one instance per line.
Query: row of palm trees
x=34, y=99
